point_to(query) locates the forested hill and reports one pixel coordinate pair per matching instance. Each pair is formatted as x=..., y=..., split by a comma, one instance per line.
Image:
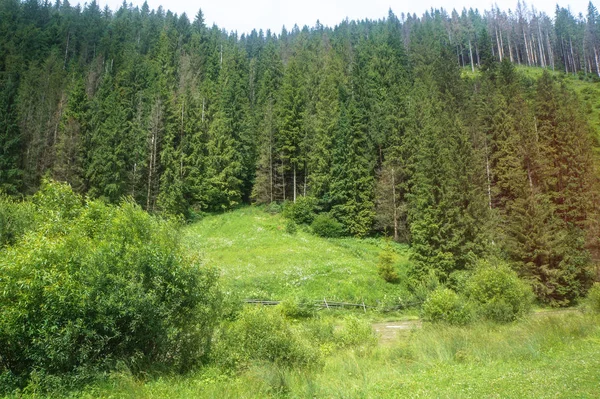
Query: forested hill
x=370, y=121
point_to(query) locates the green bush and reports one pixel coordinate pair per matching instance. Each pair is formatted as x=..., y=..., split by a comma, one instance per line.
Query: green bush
x=445, y=305
x=385, y=266
x=326, y=225
x=355, y=333
x=297, y=308
x=302, y=211
x=291, y=227
x=592, y=301
x=273, y=208
x=498, y=293
x=262, y=334
x=93, y=285
x=16, y=219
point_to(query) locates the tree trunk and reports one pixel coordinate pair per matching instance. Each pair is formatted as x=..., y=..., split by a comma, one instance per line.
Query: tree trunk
x=471, y=55
x=395, y=205
x=294, y=183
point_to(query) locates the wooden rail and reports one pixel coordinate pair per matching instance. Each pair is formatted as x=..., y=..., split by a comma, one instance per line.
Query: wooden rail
x=325, y=304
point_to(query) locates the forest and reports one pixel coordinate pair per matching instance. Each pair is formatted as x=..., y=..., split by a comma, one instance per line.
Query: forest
x=453, y=141
x=376, y=124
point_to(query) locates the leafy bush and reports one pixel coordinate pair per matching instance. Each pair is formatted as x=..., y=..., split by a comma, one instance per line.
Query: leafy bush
x=16, y=218
x=297, y=308
x=355, y=333
x=273, y=208
x=93, y=285
x=498, y=293
x=326, y=225
x=592, y=301
x=302, y=211
x=385, y=266
x=261, y=334
x=291, y=227
x=445, y=305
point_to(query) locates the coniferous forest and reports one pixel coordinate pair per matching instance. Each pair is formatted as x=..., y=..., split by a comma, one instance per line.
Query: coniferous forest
x=365, y=210
x=418, y=127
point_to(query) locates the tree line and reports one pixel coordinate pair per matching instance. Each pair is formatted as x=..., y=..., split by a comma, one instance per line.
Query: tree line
x=371, y=120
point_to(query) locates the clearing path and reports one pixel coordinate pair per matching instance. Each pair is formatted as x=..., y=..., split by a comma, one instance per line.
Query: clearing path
x=389, y=331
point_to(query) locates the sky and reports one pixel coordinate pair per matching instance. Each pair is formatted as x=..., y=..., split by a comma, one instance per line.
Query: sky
x=244, y=15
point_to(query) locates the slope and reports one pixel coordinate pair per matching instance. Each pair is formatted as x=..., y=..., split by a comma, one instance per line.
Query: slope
x=259, y=260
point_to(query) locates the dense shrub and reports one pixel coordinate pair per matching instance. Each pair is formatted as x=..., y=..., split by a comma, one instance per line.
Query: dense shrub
x=302, y=211
x=273, y=208
x=291, y=227
x=355, y=333
x=498, y=293
x=297, y=308
x=445, y=305
x=326, y=225
x=93, y=285
x=262, y=334
x=592, y=301
x=385, y=266
x=16, y=218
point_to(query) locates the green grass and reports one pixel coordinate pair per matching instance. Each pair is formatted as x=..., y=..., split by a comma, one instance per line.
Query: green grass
x=259, y=260
x=555, y=356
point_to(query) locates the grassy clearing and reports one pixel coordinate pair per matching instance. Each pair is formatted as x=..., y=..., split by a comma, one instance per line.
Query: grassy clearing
x=556, y=356
x=259, y=260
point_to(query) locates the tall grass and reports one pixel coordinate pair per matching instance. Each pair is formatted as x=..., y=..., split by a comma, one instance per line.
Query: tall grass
x=556, y=355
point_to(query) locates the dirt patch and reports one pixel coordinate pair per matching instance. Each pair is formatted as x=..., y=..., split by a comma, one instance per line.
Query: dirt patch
x=391, y=330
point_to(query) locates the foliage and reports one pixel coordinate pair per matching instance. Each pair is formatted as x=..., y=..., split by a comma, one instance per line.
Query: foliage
x=326, y=225
x=302, y=211
x=260, y=334
x=92, y=285
x=445, y=305
x=385, y=266
x=498, y=293
x=16, y=219
x=291, y=227
x=297, y=308
x=592, y=301
x=355, y=333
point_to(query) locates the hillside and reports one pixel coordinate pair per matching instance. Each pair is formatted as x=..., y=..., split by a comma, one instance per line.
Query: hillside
x=259, y=260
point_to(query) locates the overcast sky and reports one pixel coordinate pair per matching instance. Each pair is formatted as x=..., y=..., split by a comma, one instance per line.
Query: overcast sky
x=244, y=15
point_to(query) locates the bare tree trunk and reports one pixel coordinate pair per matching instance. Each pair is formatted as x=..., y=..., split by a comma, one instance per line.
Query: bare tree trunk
x=541, y=46
x=471, y=55
x=66, y=51
x=395, y=205
x=294, y=183
x=526, y=47
x=550, y=52
x=596, y=58
x=572, y=55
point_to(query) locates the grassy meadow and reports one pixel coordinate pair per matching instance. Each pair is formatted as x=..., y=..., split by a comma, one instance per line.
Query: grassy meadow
x=258, y=259
x=552, y=356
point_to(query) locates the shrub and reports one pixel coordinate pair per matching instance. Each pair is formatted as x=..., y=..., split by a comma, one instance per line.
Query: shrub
x=326, y=225
x=498, y=293
x=16, y=218
x=592, y=301
x=302, y=211
x=273, y=208
x=445, y=305
x=262, y=334
x=93, y=285
x=385, y=266
x=291, y=227
x=297, y=308
x=355, y=333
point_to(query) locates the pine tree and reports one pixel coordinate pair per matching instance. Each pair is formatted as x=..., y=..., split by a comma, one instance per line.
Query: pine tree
x=351, y=190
